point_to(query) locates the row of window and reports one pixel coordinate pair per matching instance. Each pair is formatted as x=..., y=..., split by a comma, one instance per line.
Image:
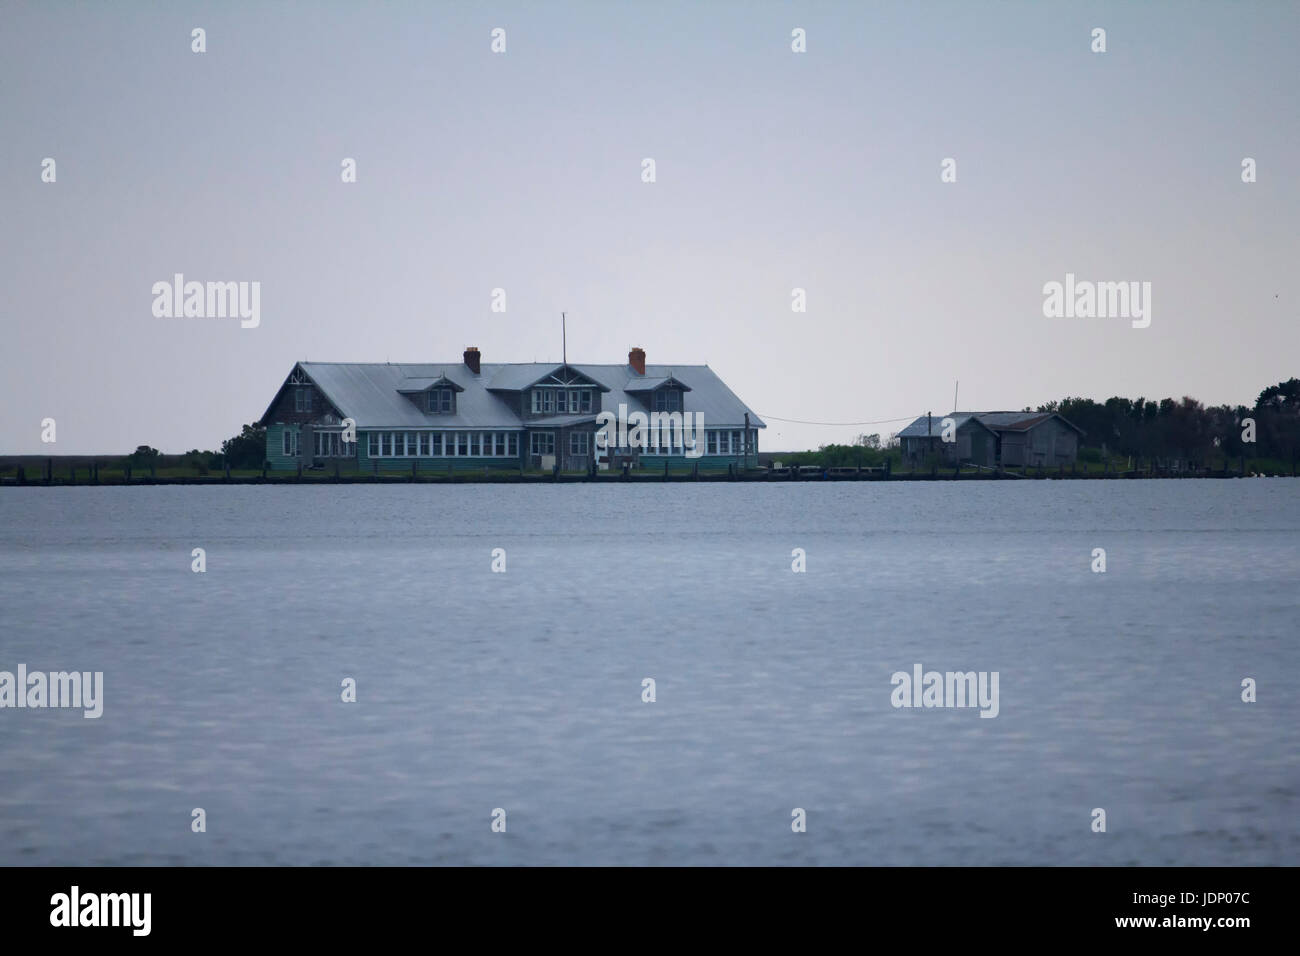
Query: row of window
x=543, y=443
x=724, y=443
x=495, y=444
x=561, y=401
x=443, y=444
x=669, y=441
x=324, y=444
x=331, y=445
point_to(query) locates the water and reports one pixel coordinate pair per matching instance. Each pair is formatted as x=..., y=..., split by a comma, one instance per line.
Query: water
x=523, y=690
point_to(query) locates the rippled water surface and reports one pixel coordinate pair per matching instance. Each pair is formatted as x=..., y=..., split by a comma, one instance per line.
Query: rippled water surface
x=523, y=690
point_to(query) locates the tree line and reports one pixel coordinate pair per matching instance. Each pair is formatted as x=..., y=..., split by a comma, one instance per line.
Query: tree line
x=1189, y=430
x=1145, y=430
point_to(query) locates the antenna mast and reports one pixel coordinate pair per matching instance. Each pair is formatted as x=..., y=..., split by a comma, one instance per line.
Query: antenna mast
x=564, y=339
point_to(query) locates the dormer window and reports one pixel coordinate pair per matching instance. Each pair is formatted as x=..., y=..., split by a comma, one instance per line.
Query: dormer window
x=442, y=401
x=562, y=401
x=668, y=400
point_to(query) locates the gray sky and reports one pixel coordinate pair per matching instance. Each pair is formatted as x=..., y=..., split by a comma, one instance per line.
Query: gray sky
x=522, y=170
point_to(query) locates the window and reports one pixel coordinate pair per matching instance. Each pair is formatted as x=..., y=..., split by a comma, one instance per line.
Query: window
x=386, y=444
x=290, y=440
x=537, y=401
x=326, y=444
x=579, y=442
x=668, y=400
x=442, y=401
x=573, y=402
x=735, y=443
x=373, y=445
x=424, y=444
x=586, y=400
x=474, y=447
x=501, y=443
x=561, y=401
x=302, y=399
x=462, y=444
x=513, y=445
x=436, y=443
x=548, y=401
x=543, y=443
x=711, y=438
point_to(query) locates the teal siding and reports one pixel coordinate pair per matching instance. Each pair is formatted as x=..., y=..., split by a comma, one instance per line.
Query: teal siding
x=275, y=448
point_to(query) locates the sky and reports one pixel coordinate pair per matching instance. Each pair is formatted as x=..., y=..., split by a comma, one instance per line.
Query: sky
x=522, y=170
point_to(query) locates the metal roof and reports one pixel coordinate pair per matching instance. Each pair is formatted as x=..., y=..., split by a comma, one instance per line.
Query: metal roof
x=1021, y=421
x=648, y=384
x=918, y=428
x=555, y=421
x=371, y=393
x=993, y=421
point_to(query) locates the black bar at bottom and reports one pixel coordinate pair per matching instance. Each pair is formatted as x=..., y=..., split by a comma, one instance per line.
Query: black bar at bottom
x=980, y=906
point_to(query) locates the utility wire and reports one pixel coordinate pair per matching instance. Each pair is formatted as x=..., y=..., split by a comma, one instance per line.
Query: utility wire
x=796, y=421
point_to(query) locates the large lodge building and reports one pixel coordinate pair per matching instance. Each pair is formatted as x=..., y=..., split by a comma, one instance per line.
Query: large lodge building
x=472, y=415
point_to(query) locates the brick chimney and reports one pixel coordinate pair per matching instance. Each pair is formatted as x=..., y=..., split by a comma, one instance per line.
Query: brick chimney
x=471, y=359
x=636, y=359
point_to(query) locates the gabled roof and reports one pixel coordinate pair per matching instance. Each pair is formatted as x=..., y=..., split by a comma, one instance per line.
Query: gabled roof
x=991, y=421
x=918, y=428
x=374, y=395
x=1021, y=421
x=648, y=384
x=417, y=385
x=516, y=378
